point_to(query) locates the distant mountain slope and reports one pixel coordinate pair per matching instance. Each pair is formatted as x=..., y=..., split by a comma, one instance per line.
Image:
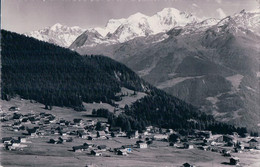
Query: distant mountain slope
x=57, y=76
x=213, y=64
x=57, y=34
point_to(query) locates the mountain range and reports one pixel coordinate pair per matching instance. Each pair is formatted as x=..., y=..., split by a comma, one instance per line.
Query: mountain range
x=116, y=30
x=212, y=64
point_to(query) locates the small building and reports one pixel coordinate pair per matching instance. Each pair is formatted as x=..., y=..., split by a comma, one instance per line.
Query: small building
x=22, y=139
x=52, y=141
x=253, y=143
x=142, y=145
x=77, y=121
x=160, y=137
x=96, y=153
x=234, y=161
x=101, y=134
x=228, y=138
x=80, y=148
x=204, y=134
x=14, y=108
x=122, y=152
x=83, y=135
x=132, y=134
x=241, y=146
x=129, y=148
x=188, y=165
x=102, y=147
x=188, y=146
x=219, y=139
x=7, y=140
x=90, y=123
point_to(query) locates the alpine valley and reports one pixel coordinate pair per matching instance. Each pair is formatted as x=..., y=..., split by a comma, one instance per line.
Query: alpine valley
x=211, y=63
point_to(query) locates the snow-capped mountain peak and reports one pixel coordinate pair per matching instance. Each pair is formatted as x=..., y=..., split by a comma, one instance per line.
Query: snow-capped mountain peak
x=138, y=24
x=56, y=27
x=57, y=34
x=241, y=22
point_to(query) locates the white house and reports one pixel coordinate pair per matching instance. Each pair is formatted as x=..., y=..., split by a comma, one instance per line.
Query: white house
x=142, y=145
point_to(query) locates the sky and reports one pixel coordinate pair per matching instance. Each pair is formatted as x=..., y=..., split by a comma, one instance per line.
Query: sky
x=27, y=15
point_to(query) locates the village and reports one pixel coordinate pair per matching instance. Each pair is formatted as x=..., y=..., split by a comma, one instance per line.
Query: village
x=92, y=136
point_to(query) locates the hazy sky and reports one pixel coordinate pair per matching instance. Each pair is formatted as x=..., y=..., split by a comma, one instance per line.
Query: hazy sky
x=27, y=15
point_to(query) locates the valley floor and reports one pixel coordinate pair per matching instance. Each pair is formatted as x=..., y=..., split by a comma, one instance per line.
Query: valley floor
x=40, y=153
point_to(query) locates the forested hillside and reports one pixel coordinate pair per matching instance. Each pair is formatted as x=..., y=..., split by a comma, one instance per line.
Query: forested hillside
x=56, y=76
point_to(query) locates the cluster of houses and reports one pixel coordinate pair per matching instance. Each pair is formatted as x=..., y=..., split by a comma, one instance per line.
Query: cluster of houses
x=224, y=144
x=59, y=130
x=14, y=143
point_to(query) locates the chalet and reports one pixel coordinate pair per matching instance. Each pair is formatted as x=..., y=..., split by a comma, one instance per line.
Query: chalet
x=7, y=140
x=213, y=143
x=226, y=154
x=122, y=152
x=160, y=137
x=129, y=148
x=170, y=131
x=102, y=147
x=188, y=146
x=204, y=134
x=142, y=145
x=101, y=134
x=234, y=161
x=175, y=137
x=146, y=133
x=80, y=148
x=90, y=123
x=83, y=135
x=14, y=108
x=254, y=143
x=96, y=153
x=230, y=144
x=228, y=138
x=132, y=134
x=219, y=139
x=63, y=132
x=52, y=141
x=67, y=139
x=205, y=148
x=32, y=131
x=67, y=123
x=90, y=138
x=16, y=128
x=241, y=146
x=187, y=165
x=22, y=139
x=77, y=121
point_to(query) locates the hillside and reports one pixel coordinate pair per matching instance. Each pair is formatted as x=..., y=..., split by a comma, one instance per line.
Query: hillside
x=56, y=76
x=213, y=64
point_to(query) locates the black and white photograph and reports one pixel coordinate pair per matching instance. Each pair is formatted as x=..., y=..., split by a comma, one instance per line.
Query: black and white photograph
x=130, y=83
